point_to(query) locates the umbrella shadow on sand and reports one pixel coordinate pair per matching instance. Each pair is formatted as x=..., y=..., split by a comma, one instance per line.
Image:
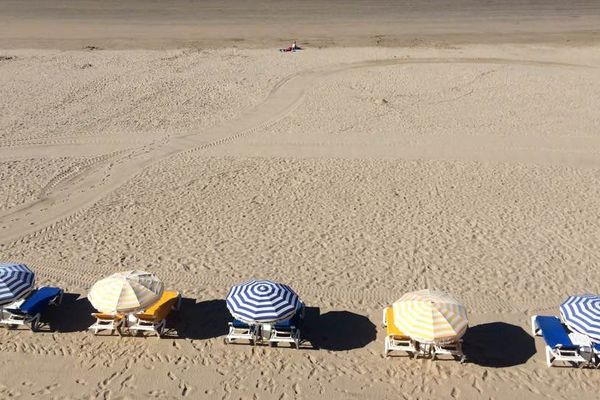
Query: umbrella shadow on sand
x=498, y=345
x=337, y=330
x=200, y=320
x=73, y=314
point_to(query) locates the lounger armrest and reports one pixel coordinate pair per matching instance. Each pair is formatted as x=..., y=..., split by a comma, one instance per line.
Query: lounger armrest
x=16, y=311
x=147, y=318
x=567, y=347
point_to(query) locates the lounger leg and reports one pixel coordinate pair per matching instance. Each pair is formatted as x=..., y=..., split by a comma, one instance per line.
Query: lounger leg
x=386, y=346
x=533, y=326
x=160, y=329
x=33, y=322
x=549, y=358
x=119, y=327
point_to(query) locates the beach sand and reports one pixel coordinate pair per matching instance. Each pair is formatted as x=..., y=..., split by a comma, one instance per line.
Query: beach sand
x=351, y=173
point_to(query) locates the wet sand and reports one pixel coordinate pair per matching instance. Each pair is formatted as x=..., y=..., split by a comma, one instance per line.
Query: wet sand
x=256, y=24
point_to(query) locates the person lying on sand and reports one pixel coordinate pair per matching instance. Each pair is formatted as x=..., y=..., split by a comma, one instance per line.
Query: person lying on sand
x=293, y=47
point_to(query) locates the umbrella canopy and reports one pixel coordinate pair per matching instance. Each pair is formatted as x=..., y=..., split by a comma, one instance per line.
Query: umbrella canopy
x=430, y=316
x=16, y=281
x=582, y=314
x=259, y=301
x=126, y=291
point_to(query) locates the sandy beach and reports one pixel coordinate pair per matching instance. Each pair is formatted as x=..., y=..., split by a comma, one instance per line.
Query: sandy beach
x=452, y=151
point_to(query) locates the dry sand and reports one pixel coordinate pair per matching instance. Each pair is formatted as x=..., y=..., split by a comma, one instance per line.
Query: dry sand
x=352, y=174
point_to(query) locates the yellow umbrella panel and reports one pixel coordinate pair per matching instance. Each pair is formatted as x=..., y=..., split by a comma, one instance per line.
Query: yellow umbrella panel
x=430, y=316
x=125, y=292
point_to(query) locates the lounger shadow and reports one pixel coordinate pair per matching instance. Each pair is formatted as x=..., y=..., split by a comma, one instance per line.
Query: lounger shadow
x=337, y=330
x=498, y=345
x=73, y=314
x=200, y=320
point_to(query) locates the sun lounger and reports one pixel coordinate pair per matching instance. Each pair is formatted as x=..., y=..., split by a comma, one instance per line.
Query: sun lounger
x=396, y=340
x=29, y=311
x=559, y=346
x=453, y=349
x=154, y=319
x=107, y=322
x=239, y=330
x=287, y=331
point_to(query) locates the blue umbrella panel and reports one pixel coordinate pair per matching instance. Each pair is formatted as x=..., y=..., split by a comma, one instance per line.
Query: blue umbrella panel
x=16, y=281
x=582, y=314
x=262, y=301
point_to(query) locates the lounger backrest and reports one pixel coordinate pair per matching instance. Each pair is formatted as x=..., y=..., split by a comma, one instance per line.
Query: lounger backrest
x=161, y=309
x=554, y=333
x=39, y=300
x=285, y=324
x=392, y=329
x=288, y=323
x=239, y=324
x=106, y=316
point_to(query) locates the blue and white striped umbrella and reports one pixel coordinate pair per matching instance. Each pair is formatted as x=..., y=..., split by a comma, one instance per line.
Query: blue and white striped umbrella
x=582, y=314
x=262, y=301
x=16, y=281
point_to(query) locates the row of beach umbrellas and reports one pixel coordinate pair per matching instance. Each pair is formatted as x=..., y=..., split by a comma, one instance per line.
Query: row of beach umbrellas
x=426, y=315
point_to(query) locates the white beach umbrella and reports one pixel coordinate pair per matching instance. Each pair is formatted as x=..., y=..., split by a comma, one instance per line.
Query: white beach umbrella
x=430, y=316
x=126, y=291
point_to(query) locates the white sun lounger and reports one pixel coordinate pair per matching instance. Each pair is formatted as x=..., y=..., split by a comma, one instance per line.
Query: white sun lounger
x=559, y=346
x=107, y=322
x=286, y=331
x=154, y=319
x=240, y=331
x=453, y=349
x=394, y=339
x=29, y=311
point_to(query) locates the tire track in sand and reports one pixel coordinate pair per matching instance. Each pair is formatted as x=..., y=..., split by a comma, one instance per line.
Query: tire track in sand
x=66, y=202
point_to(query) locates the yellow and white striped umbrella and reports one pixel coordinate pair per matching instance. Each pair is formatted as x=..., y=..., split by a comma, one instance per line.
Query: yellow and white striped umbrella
x=430, y=316
x=126, y=291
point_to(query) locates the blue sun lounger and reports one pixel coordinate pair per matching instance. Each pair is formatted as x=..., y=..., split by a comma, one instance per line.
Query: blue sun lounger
x=239, y=330
x=29, y=311
x=559, y=346
x=287, y=331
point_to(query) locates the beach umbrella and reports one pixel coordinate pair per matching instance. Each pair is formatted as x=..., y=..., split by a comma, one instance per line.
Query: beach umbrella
x=16, y=281
x=126, y=291
x=262, y=301
x=430, y=316
x=582, y=314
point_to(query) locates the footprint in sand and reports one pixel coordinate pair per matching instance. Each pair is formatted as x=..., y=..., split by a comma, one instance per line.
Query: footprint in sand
x=455, y=393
